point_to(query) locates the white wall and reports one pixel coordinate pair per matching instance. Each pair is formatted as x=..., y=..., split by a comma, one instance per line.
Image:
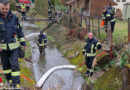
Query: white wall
x=120, y=4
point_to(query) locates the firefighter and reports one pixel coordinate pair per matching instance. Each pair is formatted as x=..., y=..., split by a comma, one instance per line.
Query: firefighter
x=23, y=10
x=90, y=47
x=50, y=13
x=109, y=15
x=11, y=37
x=42, y=42
x=111, y=9
x=50, y=9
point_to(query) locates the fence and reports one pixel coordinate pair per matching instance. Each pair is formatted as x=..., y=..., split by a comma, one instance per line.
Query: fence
x=93, y=24
x=129, y=30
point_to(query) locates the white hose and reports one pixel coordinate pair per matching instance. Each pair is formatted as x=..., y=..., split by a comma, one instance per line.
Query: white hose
x=48, y=73
x=34, y=34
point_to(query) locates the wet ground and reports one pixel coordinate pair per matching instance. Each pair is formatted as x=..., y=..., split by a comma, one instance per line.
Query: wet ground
x=59, y=80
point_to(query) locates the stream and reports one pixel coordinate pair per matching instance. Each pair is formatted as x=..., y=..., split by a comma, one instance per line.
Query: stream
x=62, y=79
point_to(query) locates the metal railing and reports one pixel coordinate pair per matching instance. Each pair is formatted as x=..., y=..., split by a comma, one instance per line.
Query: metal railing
x=93, y=24
x=129, y=30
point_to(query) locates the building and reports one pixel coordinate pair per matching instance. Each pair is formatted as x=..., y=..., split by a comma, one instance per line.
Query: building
x=124, y=6
x=126, y=11
x=91, y=7
x=121, y=3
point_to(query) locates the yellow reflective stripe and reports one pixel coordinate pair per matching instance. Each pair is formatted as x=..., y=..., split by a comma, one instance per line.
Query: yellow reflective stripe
x=3, y=46
x=91, y=54
x=92, y=48
x=113, y=20
x=98, y=43
x=21, y=25
x=41, y=44
x=7, y=71
x=90, y=70
x=108, y=15
x=22, y=6
x=22, y=40
x=15, y=73
x=14, y=45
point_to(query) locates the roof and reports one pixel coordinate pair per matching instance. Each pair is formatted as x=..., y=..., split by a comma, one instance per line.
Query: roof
x=24, y=1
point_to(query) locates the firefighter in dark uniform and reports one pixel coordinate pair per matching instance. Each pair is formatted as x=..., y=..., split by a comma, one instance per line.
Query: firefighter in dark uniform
x=109, y=15
x=50, y=9
x=90, y=47
x=23, y=10
x=11, y=37
x=42, y=42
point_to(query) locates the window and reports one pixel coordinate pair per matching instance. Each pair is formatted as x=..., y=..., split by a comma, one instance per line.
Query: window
x=117, y=0
x=123, y=0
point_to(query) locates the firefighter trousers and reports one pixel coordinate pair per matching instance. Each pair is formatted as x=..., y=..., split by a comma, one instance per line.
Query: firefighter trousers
x=89, y=63
x=113, y=26
x=10, y=65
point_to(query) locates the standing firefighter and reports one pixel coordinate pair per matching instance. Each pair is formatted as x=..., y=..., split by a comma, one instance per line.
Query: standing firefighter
x=109, y=15
x=50, y=10
x=42, y=42
x=11, y=37
x=90, y=47
x=23, y=10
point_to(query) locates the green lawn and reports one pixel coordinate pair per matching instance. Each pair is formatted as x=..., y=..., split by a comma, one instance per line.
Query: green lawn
x=121, y=29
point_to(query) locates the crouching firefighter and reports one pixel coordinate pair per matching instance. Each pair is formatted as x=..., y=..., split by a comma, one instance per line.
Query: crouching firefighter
x=90, y=47
x=42, y=42
x=11, y=37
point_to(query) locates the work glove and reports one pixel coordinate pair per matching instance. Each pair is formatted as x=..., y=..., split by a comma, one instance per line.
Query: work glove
x=21, y=52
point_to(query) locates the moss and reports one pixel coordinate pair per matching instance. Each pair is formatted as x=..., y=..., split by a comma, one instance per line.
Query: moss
x=111, y=80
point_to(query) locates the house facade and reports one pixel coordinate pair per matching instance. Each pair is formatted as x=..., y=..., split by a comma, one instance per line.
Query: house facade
x=121, y=3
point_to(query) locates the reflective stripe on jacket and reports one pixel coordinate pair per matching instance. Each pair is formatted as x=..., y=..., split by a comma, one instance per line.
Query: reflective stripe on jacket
x=11, y=35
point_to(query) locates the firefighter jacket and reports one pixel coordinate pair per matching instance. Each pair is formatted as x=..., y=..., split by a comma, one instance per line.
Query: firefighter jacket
x=42, y=40
x=23, y=6
x=11, y=35
x=91, y=46
x=108, y=15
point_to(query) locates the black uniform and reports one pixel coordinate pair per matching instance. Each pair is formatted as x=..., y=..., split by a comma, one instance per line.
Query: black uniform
x=108, y=15
x=11, y=37
x=90, y=48
x=42, y=43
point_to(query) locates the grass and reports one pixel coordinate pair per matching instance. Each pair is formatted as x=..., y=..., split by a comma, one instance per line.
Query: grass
x=28, y=50
x=26, y=72
x=121, y=30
